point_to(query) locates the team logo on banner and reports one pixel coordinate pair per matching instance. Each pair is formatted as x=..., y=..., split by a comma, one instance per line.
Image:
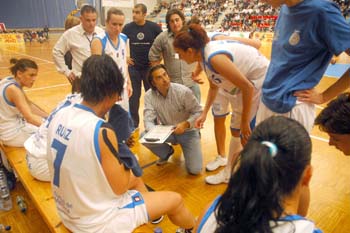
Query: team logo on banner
x=294, y=38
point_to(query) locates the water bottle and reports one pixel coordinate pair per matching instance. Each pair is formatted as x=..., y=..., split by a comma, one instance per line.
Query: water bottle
x=5, y=197
x=21, y=204
x=4, y=228
x=158, y=230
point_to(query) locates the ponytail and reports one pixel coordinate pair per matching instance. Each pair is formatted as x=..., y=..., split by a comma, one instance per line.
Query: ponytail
x=192, y=36
x=255, y=194
x=21, y=65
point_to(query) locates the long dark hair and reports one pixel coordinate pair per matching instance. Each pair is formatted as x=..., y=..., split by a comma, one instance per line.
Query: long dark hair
x=264, y=177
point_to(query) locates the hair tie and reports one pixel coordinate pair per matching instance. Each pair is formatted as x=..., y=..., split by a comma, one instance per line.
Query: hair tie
x=272, y=147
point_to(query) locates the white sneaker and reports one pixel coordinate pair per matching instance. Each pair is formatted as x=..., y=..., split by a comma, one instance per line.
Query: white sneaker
x=221, y=177
x=218, y=162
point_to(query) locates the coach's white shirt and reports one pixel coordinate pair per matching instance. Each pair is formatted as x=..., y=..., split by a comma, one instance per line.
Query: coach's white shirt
x=78, y=42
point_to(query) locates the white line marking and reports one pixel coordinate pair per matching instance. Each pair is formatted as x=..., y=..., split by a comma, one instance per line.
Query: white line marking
x=319, y=138
x=23, y=54
x=48, y=87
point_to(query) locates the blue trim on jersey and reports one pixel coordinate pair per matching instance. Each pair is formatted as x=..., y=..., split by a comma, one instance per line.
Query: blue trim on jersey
x=110, y=41
x=4, y=94
x=49, y=118
x=208, y=213
x=123, y=36
x=251, y=124
x=83, y=107
x=219, y=115
x=295, y=217
x=104, y=43
x=97, y=146
x=137, y=199
x=216, y=53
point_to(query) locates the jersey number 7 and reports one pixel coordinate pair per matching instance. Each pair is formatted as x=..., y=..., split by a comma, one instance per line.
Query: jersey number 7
x=61, y=150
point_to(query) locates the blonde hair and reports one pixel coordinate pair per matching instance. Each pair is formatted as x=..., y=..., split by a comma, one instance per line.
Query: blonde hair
x=71, y=21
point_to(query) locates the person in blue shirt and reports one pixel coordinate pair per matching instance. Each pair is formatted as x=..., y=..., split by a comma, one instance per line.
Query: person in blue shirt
x=307, y=35
x=266, y=187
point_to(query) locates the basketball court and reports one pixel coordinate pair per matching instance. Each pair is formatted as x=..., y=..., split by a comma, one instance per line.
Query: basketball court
x=330, y=186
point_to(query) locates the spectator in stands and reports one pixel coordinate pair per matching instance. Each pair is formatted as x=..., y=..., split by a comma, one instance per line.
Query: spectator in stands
x=173, y=104
x=103, y=194
x=77, y=40
x=162, y=48
x=19, y=117
x=141, y=34
x=335, y=121
x=46, y=32
x=266, y=187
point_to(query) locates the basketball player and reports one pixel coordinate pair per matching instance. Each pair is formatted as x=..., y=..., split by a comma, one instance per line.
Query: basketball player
x=94, y=190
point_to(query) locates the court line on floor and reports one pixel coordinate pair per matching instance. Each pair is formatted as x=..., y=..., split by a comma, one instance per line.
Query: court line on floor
x=48, y=87
x=319, y=138
x=23, y=54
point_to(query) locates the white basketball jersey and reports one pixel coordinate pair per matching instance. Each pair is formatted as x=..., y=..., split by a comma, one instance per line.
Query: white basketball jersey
x=11, y=120
x=36, y=144
x=291, y=223
x=84, y=198
x=248, y=60
x=118, y=53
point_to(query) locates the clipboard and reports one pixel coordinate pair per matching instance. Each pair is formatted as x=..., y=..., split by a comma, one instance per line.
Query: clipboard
x=157, y=134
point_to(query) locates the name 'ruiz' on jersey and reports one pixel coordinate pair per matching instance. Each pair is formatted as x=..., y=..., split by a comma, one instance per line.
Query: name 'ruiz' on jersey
x=248, y=60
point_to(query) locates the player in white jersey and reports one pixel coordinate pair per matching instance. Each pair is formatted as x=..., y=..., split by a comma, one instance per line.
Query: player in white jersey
x=238, y=70
x=114, y=43
x=19, y=117
x=93, y=187
x=36, y=144
x=265, y=188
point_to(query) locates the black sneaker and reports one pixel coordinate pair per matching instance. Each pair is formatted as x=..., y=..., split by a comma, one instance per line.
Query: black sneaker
x=158, y=220
x=165, y=160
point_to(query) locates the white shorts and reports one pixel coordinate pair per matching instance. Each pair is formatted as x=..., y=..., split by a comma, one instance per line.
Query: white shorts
x=302, y=112
x=221, y=106
x=23, y=134
x=38, y=167
x=130, y=217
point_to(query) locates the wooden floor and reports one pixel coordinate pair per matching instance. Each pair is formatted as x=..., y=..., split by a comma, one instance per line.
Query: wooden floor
x=330, y=186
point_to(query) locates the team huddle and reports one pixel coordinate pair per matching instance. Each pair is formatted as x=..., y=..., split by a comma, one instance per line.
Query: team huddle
x=82, y=146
